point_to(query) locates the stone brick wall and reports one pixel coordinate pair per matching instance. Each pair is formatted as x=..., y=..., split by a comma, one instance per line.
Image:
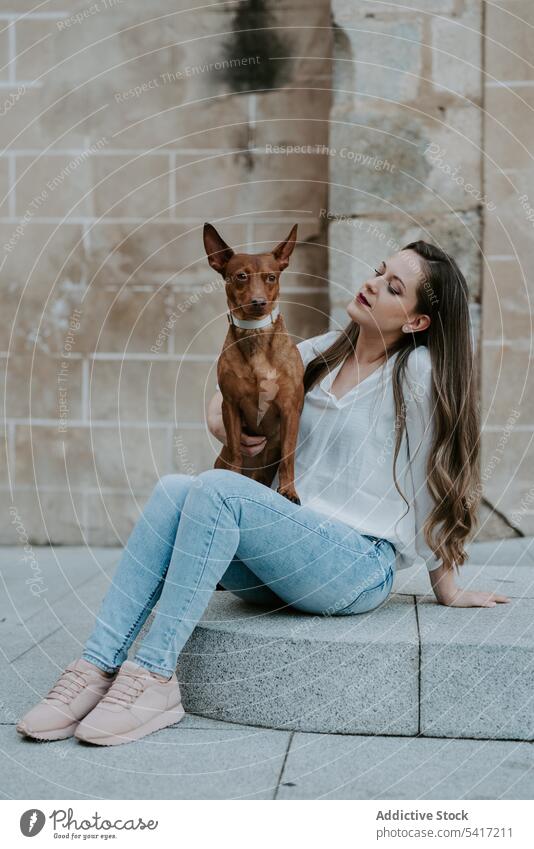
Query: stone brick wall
x=406, y=115
x=507, y=391
x=126, y=125
x=431, y=130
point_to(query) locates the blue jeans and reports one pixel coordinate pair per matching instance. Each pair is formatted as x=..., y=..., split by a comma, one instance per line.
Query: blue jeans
x=221, y=527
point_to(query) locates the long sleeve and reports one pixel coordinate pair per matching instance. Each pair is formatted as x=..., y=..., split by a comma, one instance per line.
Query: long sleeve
x=419, y=426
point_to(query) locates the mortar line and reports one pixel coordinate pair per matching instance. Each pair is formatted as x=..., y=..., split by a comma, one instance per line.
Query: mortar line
x=12, y=181
x=172, y=184
x=12, y=52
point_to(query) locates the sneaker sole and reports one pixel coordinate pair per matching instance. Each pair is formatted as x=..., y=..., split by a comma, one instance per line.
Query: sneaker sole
x=48, y=736
x=163, y=720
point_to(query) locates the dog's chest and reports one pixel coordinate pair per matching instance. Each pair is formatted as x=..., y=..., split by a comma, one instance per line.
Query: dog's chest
x=258, y=378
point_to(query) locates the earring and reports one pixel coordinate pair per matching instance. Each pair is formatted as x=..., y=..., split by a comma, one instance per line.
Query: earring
x=406, y=329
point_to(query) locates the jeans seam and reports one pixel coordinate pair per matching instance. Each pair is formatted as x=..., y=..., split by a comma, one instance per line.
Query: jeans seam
x=87, y=655
x=133, y=627
x=280, y=513
x=367, y=590
x=153, y=666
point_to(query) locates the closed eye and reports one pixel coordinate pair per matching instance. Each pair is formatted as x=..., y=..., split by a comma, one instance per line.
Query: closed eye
x=393, y=291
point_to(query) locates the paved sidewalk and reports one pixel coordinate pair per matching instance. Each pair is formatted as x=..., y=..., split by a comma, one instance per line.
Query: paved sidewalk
x=203, y=758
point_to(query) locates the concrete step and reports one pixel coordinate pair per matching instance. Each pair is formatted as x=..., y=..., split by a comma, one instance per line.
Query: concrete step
x=411, y=667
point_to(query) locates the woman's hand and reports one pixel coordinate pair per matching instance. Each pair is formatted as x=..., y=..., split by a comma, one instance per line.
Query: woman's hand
x=449, y=594
x=474, y=598
x=250, y=444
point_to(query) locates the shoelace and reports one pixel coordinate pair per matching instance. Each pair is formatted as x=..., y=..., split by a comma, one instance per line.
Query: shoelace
x=68, y=685
x=124, y=689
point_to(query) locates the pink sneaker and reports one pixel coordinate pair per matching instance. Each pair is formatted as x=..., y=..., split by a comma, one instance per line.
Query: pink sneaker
x=78, y=689
x=138, y=703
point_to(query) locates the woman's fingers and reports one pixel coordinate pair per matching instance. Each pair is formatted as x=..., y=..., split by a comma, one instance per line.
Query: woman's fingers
x=492, y=599
x=252, y=444
x=467, y=598
x=249, y=439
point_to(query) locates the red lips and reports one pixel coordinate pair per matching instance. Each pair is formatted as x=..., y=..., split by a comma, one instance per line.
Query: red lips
x=361, y=298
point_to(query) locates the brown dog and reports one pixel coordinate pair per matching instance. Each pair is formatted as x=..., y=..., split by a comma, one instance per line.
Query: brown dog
x=260, y=371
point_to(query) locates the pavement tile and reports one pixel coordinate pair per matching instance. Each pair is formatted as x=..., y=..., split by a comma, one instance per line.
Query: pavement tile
x=518, y=551
x=57, y=571
x=327, y=766
x=176, y=763
x=477, y=670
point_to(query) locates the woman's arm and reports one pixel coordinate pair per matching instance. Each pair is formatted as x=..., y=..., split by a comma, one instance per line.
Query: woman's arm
x=448, y=593
x=419, y=429
x=250, y=445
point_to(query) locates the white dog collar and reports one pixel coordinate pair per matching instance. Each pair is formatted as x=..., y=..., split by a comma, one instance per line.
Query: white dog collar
x=256, y=323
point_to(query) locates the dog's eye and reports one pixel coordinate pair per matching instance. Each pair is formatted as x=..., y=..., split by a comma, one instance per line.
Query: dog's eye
x=241, y=275
x=271, y=278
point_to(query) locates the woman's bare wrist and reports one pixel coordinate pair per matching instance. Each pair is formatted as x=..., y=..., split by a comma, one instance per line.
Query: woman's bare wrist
x=216, y=427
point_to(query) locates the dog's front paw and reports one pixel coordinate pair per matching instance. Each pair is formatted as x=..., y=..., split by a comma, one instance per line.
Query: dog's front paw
x=290, y=493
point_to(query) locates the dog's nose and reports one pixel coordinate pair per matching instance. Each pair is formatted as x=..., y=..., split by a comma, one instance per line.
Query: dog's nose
x=258, y=302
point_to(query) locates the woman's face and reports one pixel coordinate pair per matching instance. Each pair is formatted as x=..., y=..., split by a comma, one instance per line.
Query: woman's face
x=391, y=296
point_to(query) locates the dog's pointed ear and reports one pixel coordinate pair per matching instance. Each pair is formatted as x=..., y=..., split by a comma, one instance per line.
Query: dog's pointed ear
x=219, y=253
x=283, y=251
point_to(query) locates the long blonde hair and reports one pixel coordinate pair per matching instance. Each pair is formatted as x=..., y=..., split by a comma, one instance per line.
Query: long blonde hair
x=453, y=475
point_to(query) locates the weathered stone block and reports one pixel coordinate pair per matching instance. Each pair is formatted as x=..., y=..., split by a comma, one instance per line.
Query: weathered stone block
x=150, y=391
x=128, y=319
x=386, y=54
x=111, y=516
x=47, y=517
x=347, y=10
x=509, y=227
x=54, y=186
x=507, y=388
x=507, y=300
x=35, y=48
x=457, y=52
x=507, y=455
x=42, y=387
x=193, y=450
x=156, y=253
x=132, y=186
x=250, y=186
x=385, y=160
x=509, y=125
x=130, y=458
x=509, y=40
x=293, y=116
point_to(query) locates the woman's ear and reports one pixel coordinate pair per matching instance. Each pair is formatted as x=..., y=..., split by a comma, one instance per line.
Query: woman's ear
x=420, y=322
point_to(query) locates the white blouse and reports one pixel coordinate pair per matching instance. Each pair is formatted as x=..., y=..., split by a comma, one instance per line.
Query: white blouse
x=344, y=453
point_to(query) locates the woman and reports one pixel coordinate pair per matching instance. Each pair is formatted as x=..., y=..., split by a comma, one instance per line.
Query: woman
x=386, y=469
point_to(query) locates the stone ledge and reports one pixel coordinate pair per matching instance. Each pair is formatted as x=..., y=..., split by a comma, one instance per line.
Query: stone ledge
x=355, y=674
x=411, y=667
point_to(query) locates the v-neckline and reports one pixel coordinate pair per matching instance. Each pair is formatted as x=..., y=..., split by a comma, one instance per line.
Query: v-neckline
x=330, y=377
